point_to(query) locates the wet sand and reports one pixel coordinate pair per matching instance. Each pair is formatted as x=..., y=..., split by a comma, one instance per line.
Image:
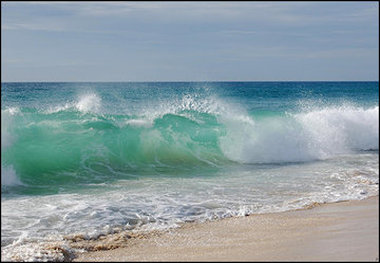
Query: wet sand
x=345, y=231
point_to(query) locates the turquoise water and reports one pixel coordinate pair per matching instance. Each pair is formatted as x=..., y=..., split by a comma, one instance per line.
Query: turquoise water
x=88, y=157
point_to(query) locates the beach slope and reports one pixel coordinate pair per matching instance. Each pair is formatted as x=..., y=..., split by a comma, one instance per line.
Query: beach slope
x=345, y=231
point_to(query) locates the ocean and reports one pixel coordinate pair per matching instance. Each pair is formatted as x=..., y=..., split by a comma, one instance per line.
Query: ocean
x=93, y=158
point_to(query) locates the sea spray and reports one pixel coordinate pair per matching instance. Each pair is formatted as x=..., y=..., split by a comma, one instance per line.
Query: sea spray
x=335, y=130
x=89, y=103
x=85, y=159
x=8, y=174
x=314, y=135
x=68, y=146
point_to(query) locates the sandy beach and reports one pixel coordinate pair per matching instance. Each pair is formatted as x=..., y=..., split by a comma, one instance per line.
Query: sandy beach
x=344, y=231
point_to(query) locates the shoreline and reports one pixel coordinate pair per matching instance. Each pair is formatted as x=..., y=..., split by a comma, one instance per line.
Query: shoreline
x=347, y=230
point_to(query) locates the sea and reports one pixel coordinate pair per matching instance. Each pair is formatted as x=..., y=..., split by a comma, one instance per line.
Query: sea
x=91, y=157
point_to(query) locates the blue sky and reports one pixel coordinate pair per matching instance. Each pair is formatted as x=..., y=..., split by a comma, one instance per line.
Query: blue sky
x=189, y=41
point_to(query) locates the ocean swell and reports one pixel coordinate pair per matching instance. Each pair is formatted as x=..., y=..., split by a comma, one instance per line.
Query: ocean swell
x=79, y=143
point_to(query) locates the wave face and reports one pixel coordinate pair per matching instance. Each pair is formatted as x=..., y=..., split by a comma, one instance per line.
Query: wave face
x=85, y=140
x=88, y=159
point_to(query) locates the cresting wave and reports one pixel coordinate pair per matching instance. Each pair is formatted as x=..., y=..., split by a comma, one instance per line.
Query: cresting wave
x=78, y=142
x=80, y=161
x=313, y=135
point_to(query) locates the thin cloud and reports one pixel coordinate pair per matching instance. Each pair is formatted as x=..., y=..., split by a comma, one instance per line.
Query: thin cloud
x=32, y=26
x=296, y=14
x=134, y=39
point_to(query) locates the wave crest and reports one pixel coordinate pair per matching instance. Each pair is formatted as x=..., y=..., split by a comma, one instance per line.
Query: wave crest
x=316, y=134
x=187, y=133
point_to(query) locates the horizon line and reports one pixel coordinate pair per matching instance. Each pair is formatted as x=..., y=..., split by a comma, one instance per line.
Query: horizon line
x=155, y=81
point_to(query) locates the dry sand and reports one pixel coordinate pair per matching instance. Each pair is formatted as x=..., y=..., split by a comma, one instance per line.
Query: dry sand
x=345, y=231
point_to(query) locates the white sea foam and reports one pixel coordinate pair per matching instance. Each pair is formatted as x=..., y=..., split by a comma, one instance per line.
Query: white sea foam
x=12, y=110
x=317, y=134
x=89, y=102
x=139, y=122
x=189, y=102
x=38, y=252
x=6, y=124
x=85, y=102
x=8, y=176
x=161, y=203
x=338, y=129
x=58, y=108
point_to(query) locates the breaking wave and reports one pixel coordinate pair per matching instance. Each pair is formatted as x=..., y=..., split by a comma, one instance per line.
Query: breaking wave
x=77, y=142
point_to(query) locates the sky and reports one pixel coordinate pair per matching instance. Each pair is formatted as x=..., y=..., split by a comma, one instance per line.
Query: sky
x=189, y=41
